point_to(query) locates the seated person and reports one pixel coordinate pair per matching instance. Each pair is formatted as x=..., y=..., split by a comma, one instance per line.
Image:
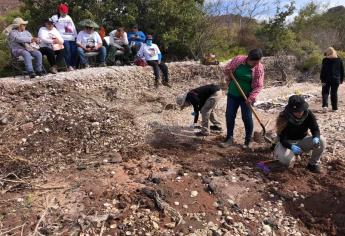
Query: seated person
x=119, y=41
x=152, y=55
x=292, y=128
x=135, y=39
x=23, y=44
x=51, y=45
x=88, y=40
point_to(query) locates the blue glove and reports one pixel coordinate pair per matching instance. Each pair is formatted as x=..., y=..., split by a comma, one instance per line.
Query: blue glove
x=316, y=141
x=296, y=149
x=193, y=113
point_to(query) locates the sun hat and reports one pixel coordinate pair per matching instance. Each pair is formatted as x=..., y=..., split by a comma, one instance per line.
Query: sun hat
x=88, y=23
x=297, y=104
x=181, y=100
x=19, y=21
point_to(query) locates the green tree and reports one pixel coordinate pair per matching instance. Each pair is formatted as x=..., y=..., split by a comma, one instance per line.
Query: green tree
x=276, y=35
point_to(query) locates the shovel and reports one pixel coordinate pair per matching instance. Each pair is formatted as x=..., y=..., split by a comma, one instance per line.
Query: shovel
x=263, y=133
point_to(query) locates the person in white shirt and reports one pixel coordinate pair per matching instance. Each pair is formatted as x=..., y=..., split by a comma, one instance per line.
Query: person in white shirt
x=119, y=41
x=88, y=40
x=152, y=55
x=51, y=44
x=65, y=25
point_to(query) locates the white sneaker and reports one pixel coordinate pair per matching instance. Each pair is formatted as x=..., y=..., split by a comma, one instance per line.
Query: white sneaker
x=70, y=68
x=335, y=111
x=325, y=109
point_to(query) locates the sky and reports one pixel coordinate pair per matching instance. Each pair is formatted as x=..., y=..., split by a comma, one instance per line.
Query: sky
x=299, y=4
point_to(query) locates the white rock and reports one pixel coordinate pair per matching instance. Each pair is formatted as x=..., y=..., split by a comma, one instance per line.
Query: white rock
x=267, y=229
x=176, y=203
x=194, y=194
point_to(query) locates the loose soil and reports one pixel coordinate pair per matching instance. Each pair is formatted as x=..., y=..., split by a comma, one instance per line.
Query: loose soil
x=80, y=152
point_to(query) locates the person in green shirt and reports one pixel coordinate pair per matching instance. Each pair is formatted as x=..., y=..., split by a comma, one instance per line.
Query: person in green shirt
x=249, y=73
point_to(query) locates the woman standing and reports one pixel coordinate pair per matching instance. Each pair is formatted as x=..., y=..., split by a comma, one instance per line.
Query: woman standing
x=332, y=74
x=249, y=73
x=65, y=25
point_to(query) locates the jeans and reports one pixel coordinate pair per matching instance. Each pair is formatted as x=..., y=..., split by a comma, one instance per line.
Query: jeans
x=334, y=95
x=286, y=156
x=101, y=56
x=159, y=66
x=233, y=104
x=54, y=57
x=28, y=59
x=70, y=53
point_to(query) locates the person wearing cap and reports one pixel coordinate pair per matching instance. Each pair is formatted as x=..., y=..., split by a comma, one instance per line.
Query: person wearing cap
x=152, y=55
x=51, y=44
x=292, y=127
x=135, y=38
x=22, y=43
x=249, y=73
x=65, y=25
x=332, y=75
x=88, y=40
x=204, y=100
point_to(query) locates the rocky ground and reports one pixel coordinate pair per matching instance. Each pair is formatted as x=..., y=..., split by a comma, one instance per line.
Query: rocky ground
x=101, y=152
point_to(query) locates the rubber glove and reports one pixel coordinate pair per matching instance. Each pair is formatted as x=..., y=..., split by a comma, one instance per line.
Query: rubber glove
x=193, y=113
x=316, y=142
x=296, y=149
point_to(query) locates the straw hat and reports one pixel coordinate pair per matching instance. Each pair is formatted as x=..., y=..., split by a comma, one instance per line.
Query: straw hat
x=19, y=21
x=88, y=23
x=15, y=24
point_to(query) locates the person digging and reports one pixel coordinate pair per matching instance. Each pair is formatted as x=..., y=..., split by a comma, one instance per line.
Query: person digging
x=292, y=129
x=204, y=99
x=249, y=73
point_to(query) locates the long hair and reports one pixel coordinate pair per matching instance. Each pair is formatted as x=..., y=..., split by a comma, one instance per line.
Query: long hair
x=281, y=123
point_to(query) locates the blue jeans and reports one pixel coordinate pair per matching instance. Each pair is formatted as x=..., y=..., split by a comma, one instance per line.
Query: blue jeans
x=101, y=56
x=70, y=53
x=36, y=54
x=231, y=110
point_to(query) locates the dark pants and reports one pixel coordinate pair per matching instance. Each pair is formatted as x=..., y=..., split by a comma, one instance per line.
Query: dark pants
x=334, y=95
x=156, y=66
x=231, y=110
x=70, y=53
x=54, y=57
x=127, y=54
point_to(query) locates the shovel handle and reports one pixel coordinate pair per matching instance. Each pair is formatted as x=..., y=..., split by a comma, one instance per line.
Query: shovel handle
x=250, y=106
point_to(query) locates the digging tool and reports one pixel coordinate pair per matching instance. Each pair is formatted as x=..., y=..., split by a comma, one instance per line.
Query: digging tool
x=252, y=109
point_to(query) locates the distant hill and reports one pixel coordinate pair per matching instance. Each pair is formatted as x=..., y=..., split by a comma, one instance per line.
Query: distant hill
x=337, y=9
x=6, y=5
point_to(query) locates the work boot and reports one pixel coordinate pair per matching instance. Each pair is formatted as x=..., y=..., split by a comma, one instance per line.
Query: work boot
x=202, y=134
x=314, y=168
x=32, y=75
x=247, y=145
x=40, y=73
x=228, y=143
x=166, y=83
x=157, y=84
x=215, y=128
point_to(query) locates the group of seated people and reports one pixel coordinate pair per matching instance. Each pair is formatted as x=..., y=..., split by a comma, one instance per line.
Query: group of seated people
x=59, y=41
